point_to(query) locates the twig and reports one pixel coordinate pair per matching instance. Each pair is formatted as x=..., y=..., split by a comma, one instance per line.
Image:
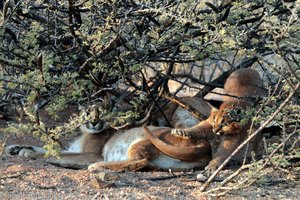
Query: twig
x=283, y=104
x=190, y=108
x=236, y=173
x=145, y=85
x=11, y=63
x=160, y=178
x=196, y=80
x=245, y=167
x=221, y=79
x=142, y=121
x=17, y=175
x=114, y=43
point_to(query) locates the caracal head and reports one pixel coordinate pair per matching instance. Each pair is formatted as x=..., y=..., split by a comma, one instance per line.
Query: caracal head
x=224, y=123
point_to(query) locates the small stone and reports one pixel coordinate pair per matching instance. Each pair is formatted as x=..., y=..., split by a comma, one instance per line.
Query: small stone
x=201, y=177
x=105, y=176
x=99, y=184
x=102, y=176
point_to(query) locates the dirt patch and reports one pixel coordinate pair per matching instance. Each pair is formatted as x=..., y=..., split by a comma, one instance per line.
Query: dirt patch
x=22, y=178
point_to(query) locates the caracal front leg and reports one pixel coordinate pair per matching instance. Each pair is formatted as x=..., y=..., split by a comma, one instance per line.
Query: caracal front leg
x=139, y=156
x=26, y=151
x=182, y=133
x=203, y=130
x=65, y=159
x=126, y=165
x=228, y=144
x=75, y=160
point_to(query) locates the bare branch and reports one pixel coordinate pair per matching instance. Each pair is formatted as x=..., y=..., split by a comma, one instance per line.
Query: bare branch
x=266, y=123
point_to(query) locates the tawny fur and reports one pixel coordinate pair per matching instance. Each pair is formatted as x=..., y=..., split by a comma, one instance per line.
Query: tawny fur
x=135, y=149
x=242, y=87
x=243, y=83
x=183, y=149
x=123, y=150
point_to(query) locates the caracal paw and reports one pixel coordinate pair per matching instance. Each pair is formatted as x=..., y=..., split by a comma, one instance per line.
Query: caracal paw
x=95, y=167
x=210, y=169
x=23, y=151
x=181, y=133
x=13, y=150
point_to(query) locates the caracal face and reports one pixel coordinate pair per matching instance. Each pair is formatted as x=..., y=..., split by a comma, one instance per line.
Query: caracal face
x=223, y=124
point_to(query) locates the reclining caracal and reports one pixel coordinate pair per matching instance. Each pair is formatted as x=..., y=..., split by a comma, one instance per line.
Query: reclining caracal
x=241, y=87
x=125, y=150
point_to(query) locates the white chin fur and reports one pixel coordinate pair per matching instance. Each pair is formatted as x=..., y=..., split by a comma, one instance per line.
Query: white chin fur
x=219, y=133
x=85, y=129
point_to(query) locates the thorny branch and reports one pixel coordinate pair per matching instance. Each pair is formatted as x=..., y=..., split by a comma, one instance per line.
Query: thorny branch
x=244, y=167
x=91, y=49
x=266, y=123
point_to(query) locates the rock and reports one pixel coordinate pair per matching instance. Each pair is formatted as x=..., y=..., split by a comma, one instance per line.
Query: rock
x=99, y=184
x=201, y=177
x=105, y=176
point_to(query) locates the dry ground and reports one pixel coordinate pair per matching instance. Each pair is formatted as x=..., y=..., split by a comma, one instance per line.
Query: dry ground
x=22, y=178
x=31, y=179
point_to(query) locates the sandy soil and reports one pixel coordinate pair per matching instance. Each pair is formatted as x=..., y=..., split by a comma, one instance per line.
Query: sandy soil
x=31, y=179
x=22, y=178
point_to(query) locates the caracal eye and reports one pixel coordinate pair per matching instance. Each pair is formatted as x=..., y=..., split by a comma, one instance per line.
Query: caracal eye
x=89, y=125
x=225, y=123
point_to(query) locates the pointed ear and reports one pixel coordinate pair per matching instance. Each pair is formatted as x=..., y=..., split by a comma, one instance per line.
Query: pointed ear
x=213, y=109
x=212, y=116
